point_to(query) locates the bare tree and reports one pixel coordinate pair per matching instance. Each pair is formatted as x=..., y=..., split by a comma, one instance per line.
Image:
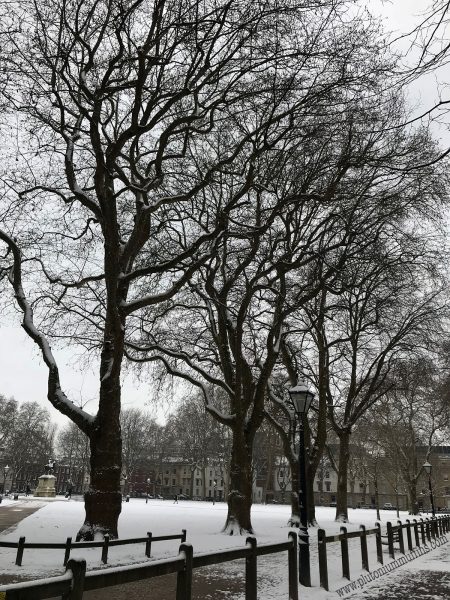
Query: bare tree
x=8, y=413
x=410, y=421
x=31, y=441
x=72, y=450
x=126, y=113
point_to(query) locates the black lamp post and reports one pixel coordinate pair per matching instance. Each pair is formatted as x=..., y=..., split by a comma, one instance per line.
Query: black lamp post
x=148, y=490
x=214, y=493
x=5, y=473
x=427, y=468
x=302, y=397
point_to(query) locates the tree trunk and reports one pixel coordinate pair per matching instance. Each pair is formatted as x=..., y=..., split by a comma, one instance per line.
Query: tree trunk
x=344, y=455
x=103, y=500
x=310, y=476
x=412, y=498
x=377, y=498
x=240, y=490
x=294, y=520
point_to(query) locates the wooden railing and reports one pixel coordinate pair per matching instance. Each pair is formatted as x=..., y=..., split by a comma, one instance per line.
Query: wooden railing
x=343, y=537
x=75, y=581
x=429, y=528
x=104, y=545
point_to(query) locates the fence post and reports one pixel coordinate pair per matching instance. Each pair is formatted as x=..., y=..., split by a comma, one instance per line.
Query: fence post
x=184, y=577
x=422, y=532
x=344, y=552
x=408, y=534
x=105, y=549
x=250, y=570
x=20, y=549
x=148, y=544
x=401, y=541
x=323, y=566
x=436, y=527
x=364, y=556
x=78, y=569
x=183, y=536
x=427, y=529
x=292, y=566
x=67, y=551
x=379, y=543
x=416, y=533
x=390, y=535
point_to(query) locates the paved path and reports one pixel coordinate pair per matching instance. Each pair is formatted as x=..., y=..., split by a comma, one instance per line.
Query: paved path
x=11, y=514
x=426, y=579
x=421, y=585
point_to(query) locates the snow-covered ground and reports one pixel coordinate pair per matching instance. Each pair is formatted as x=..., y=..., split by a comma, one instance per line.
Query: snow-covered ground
x=58, y=519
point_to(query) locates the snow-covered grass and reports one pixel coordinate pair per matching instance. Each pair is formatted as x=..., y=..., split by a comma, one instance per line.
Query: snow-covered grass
x=58, y=519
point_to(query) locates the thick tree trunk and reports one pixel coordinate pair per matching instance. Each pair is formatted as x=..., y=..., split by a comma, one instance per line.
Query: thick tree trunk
x=103, y=500
x=240, y=491
x=344, y=455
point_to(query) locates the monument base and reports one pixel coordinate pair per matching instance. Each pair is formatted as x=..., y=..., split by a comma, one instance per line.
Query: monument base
x=46, y=487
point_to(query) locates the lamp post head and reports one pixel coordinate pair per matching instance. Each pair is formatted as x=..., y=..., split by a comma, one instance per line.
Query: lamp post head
x=427, y=467
x=6, y=468
x=301, y=397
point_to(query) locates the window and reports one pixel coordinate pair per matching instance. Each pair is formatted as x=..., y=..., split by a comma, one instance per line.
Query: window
x=210, y=483
x=281, y=474
x=328, y=485
x=166, y=481
x=327, y=474
x=174, y=471
x=210, y=473
x=174, y=482
x=319, y=487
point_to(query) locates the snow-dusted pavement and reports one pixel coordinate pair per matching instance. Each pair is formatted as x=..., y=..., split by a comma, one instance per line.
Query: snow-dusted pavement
x=58, y=519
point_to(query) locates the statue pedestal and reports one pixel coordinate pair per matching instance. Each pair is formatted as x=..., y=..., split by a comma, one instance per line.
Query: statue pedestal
x=46, y=487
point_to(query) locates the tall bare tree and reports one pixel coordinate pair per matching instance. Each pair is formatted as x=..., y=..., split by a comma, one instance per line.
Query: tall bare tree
x=126, y=113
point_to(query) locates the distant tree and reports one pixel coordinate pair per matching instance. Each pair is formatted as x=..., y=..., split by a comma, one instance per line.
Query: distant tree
x=410, y=421
x=8, y=413
x=72, y=450
x=31, y=440
x=196, y=435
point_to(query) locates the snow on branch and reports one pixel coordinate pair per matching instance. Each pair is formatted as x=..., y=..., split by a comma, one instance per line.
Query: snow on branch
x=171, y=370
x=55, y=394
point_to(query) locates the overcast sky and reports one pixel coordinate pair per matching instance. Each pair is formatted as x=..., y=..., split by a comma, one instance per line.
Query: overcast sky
x=22, y=372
